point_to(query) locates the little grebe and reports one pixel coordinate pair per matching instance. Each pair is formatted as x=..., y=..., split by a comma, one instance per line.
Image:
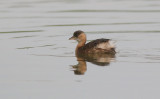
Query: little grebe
x=95, y=46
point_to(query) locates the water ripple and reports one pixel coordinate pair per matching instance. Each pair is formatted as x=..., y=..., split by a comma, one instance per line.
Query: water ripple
x=21, y=31
x=25, y=48
x=47, y=45
x=25, y=36
x=149, y=31
x=59, y=25
x=128, y=11
x=51, y=55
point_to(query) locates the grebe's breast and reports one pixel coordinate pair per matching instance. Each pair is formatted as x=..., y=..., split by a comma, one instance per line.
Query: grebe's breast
x=98, y=46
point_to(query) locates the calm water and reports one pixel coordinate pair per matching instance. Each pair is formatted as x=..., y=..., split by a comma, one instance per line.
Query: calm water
x=37, y=60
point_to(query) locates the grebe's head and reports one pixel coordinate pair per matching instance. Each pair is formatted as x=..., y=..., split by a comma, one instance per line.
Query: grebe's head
x=78, y=35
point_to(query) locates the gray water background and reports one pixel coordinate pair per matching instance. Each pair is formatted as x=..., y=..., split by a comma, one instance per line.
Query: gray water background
x=36, y=56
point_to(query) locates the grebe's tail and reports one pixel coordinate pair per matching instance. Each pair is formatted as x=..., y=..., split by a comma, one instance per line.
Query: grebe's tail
x=112, y=44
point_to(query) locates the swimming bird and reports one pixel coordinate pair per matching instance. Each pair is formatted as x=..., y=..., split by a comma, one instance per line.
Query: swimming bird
x=95, y=46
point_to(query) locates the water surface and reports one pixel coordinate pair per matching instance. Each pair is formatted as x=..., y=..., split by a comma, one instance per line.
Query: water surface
x=38, y=60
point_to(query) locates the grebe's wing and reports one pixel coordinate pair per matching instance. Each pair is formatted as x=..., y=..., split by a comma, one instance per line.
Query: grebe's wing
x=100, y=44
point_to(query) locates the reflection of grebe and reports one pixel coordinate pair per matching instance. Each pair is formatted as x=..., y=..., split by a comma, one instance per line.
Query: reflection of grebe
x=97, y=59
x=80, y=68
x=95, y=46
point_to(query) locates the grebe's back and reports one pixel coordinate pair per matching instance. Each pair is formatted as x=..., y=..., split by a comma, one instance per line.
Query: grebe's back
x=98, y=46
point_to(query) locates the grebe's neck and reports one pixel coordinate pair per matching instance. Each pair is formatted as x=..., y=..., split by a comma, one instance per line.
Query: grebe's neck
x=81, y=43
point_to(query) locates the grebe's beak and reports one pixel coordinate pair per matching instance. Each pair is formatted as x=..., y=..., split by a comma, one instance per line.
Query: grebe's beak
x=72, y=38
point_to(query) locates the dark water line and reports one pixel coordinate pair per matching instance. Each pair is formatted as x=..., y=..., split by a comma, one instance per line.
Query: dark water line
x=25, y=36
x=51, y=55
x=26, y=48
x=101, y=24
x=47, y=45
x=41, y=17
x=37, y=46
x=38, y=81
x=20, y=31
x=139, y=62
x=56, y=35
x=128, y=11
x=154, y=31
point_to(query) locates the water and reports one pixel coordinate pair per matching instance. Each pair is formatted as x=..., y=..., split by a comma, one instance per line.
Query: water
x=38, y=60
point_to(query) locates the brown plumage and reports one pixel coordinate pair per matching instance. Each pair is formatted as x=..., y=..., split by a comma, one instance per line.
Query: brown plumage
x=95, y=46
